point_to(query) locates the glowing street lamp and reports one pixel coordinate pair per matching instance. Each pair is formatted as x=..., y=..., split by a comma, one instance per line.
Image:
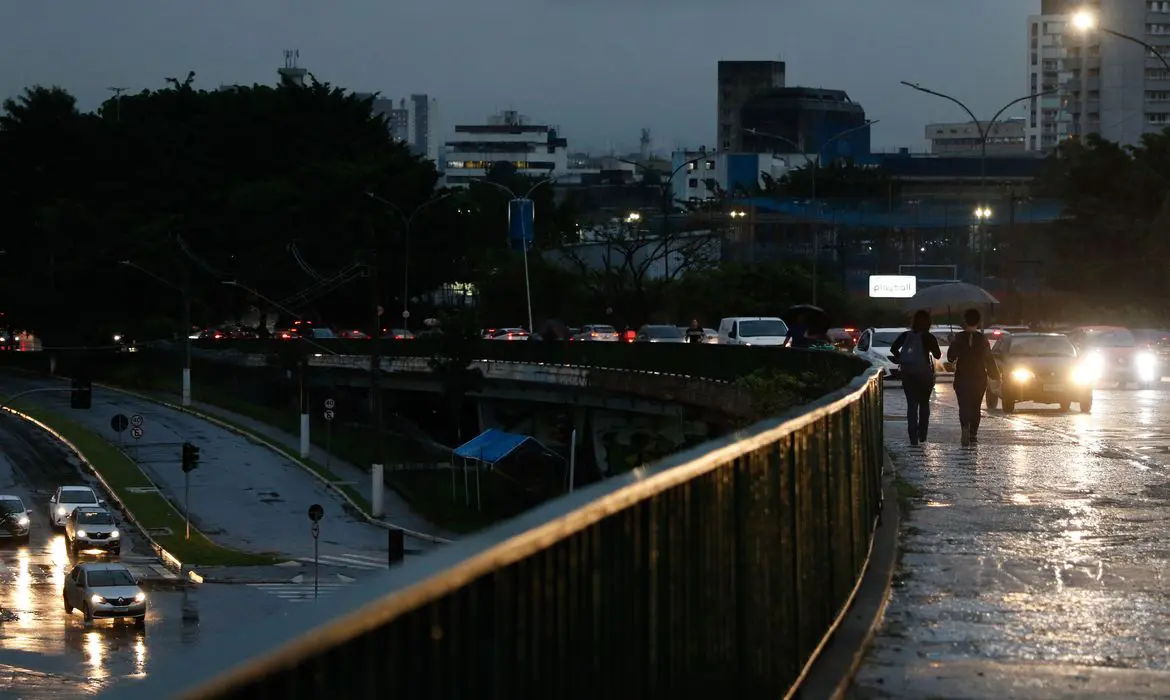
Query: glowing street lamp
x=633, y=217
x=983, y=213
x=737, y=214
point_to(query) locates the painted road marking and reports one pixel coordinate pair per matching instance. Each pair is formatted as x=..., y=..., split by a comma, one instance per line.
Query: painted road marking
x=297, y=592
x=350, y=561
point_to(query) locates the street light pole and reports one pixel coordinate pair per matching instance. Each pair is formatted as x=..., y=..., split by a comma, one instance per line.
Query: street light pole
x=407, y=221
x=185, y=291
x=377, y=485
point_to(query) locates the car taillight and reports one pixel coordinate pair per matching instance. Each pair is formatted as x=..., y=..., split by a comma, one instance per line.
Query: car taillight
x=399, y=337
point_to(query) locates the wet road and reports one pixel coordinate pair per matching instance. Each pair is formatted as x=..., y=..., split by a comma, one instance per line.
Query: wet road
x=1033, y=565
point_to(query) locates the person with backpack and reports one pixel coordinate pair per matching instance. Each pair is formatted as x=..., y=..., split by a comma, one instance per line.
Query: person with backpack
x=970, y=353
x=915, y=351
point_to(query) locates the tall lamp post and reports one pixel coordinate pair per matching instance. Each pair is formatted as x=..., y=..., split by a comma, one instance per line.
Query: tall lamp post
x=984, y=133
x=185, y=291
x=527, y=197
x=407, y=220
x=982, y=215
x=813, y=166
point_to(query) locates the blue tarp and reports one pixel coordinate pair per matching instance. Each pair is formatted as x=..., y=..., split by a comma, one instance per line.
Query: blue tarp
x=492, y=445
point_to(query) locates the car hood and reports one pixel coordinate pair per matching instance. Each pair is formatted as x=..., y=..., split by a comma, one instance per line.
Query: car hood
x=763, y=340
x=1041, y=364
x=94, y=528
x=108, y=592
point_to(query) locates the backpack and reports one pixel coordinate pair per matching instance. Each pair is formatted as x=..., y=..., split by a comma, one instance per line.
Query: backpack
x=914, y=358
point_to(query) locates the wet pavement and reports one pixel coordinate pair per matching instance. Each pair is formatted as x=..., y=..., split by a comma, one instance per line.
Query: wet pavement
x=1033, y=565
x=243, y=495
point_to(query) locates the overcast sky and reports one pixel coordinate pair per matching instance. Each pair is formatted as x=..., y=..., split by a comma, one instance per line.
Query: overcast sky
x=599, y=69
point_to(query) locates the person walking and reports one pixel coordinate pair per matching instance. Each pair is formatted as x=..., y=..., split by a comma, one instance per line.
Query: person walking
x=915, y=352
x=970, y=353
x=695, y=332
x=796, y=337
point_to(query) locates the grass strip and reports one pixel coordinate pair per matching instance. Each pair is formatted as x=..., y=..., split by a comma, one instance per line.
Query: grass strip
x=151, y=510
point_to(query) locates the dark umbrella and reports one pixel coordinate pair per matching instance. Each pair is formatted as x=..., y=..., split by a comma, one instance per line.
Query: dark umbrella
x=815, y=318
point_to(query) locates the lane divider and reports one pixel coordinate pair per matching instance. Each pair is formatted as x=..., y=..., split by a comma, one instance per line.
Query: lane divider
x=283, y=452
x=168, y=559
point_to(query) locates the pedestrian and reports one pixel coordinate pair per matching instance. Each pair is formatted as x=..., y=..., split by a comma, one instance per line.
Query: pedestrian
x=970, y=353
x=796, y=332
x=915, y=351
x=695, y=332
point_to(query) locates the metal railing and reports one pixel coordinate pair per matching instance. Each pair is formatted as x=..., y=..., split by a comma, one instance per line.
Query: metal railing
x=718, y=572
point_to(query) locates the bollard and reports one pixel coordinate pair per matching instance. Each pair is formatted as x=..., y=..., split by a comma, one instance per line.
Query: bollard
x=397, y=546
x=377, y=491
x=306, y=444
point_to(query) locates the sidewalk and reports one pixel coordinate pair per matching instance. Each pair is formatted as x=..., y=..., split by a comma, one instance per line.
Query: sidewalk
x=1032, y=565
x=398, y=511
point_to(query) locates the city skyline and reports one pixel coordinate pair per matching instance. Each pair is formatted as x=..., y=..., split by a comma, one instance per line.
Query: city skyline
x=601, y=73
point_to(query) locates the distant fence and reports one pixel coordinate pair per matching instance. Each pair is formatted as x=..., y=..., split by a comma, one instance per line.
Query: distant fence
x=718, y=572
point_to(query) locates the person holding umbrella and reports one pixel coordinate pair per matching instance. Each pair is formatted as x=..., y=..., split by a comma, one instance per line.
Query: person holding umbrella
x=915, y=352
x=800, y=319
x=971, y=354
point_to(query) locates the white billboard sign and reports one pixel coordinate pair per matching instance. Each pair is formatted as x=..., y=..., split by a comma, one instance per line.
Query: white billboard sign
x=892, y=286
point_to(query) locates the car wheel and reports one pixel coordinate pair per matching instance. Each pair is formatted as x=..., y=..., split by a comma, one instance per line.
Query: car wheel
x=1065, y=406
x=87, y=612
x=68, y=607
x=140, y=622
x=1009, y=405
x=1086, y=404
x=992, y=401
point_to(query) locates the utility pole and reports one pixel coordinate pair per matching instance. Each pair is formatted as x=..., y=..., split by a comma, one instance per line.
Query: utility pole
x=186, y=330
x=376, y=483
x=117, y=101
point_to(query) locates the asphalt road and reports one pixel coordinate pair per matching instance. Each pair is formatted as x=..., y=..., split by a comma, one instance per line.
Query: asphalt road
x=1034, y=564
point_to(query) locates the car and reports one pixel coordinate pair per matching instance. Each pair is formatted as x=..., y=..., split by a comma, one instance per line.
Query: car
x=1117, y=355
x=507, y=334
x=874, y=344
x=753, y=330
x=103, y=590
x=596, y=333
x=844, y=339
x=1041, y=368
x=1158, y=342
x=14, y=519
x=92, y=527
x=660, y=334
x=66, y=498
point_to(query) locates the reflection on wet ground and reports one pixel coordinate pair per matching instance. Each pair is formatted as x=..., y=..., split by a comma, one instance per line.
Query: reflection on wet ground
x=1036, y=555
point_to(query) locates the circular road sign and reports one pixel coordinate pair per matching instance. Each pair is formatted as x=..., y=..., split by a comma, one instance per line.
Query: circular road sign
x=330, y=415
x=316, y=512
x=330, y=404
x=380, y=309
x=119, y=423
x=405, y=313
x=136, y=433
x=136, y=420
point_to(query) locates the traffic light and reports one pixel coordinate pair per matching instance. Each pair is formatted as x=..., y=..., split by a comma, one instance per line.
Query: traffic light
x=82, y=394
x=190, y=457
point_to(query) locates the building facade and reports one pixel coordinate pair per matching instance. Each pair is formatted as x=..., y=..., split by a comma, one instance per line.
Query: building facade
x=737, y=82
x=824, y=123
x=1122, y=89
x=413, y=120
x=1005, y=137
x=701, y=175
x=535, y=150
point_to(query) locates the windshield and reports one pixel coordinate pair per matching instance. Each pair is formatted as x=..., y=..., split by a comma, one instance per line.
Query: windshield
x=885, y=339
x=7, y=507
x=94, y=518
x=110, y=577
x=78, y=496
x=663, y=332
x=767, y=328
x=1043, y=347
x=602, y=329
x=1120, y=338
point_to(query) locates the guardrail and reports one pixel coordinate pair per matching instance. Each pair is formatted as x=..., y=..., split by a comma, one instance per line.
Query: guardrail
x=718, y=572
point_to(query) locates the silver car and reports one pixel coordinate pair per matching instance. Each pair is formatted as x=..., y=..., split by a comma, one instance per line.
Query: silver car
x=597, y=333
x=66, y=498
x=104, y=590
x=14, y=520
x=660, y=334
x=92, y=527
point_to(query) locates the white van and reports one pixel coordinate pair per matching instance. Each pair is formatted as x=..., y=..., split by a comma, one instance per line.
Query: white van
x=752, y=330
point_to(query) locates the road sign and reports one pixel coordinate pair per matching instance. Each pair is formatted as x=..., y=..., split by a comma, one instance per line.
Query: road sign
x=119, y=423
x=136, y=420
x=380, y=309
x=405, y=313
x=330, y=404
x=329, y=415
x=316, y=530
x=316, y=512
x=136, y=433
x=520, y=223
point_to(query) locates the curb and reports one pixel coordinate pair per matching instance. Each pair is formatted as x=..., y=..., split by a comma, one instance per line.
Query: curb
x=169, y=560
x=832, y=673
x=260, y=440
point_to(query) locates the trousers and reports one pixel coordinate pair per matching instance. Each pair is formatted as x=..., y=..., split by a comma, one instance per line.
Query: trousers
x=918, y=388
x=970, y=395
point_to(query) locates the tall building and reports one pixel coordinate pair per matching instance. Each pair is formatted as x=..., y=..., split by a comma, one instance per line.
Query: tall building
x=413, y=120
x=804, y=120
x=739, y=81
x=1122, y=90
x=1005, y=137
x=535, y=150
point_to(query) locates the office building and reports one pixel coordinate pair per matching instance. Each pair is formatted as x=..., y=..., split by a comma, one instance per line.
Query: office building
x=413, y=120
x=1122, y=89
x=823, y=123
x=1005, y=137
x=739, y=81
x=535, y=150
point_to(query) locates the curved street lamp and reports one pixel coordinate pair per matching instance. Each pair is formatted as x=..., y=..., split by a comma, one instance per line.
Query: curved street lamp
x=814, y=166
x=407, y=220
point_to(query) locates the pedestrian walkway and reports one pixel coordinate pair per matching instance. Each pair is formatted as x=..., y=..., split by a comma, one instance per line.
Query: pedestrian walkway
x=302, y=592
x=1032, y=565
x=351, y=561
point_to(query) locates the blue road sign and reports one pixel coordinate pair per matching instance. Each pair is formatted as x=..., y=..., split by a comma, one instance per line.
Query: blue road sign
x=520, y=224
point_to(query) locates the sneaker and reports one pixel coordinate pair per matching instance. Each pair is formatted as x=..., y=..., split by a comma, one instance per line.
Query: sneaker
x=965, y=440
x=974, y=439
x=913, y=442
x=921, y=437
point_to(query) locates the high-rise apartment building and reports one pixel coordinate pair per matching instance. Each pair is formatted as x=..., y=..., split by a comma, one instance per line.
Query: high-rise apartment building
x=738, y=82
x=413, y=120
x=1101, y=83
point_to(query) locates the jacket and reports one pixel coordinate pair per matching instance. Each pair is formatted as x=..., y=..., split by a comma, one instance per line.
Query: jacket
x=971, y=354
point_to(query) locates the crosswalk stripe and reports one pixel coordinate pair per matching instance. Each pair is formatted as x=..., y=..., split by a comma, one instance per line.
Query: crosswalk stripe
x=297, y=592
x=353, y=561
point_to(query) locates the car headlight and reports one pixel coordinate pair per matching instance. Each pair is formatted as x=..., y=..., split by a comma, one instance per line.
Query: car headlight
x=1022, y=375
x=22, y=521
x=1146, y=364
x=1085, y=374
x=81, y=533
x=140, y=598
x=97, y=599
x=114, y=534
x=61, y=510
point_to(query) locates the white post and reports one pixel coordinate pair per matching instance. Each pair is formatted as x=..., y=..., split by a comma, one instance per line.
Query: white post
x=305, y=444
x=377, y=491
x=528, y=288
x=572, y=459
x=186, y=386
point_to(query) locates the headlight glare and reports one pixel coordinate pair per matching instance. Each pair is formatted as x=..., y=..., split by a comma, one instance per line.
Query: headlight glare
x=97, y=599
x=81, y=533
x=140, y=597
x=1022, y=375
x=22, y=521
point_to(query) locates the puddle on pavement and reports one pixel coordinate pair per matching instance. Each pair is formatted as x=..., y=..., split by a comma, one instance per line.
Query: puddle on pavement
x=270, y=497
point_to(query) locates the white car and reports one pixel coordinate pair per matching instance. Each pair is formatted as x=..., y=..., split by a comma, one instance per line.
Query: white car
x=753, y=330
x=874, y=345
x=66, y=498
x=597, y=334
x=104, y=590
x=14, y=519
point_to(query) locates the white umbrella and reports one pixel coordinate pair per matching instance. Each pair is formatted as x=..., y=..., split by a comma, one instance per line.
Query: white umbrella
x=950, y=295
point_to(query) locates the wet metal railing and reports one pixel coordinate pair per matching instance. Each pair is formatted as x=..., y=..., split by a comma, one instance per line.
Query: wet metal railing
x=717, y=572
